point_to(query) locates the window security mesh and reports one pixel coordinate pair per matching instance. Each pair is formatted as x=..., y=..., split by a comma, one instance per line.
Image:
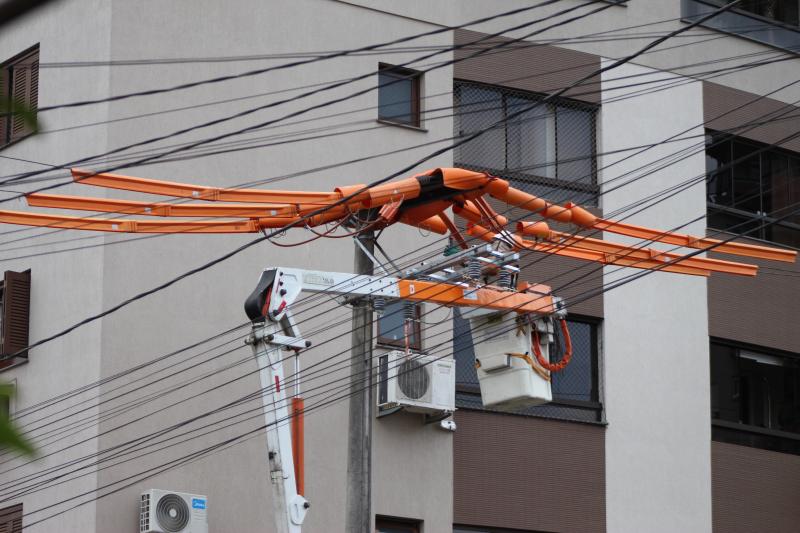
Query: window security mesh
x=575, y=389
x=546, y=149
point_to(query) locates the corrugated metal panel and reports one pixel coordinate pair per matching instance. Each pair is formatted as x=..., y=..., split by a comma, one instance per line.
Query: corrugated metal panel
x=527, y=66
x=718, y=99
x=762, y=311
x=528, y=473
x=754, y=490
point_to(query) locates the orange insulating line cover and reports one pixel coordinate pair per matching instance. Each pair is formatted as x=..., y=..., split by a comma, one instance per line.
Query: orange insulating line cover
x=433, y=224
x=590, y=255
x=160, y=209
x=537, y=349
x=405, y=189
x=298, y=443
x=483, y=205
x=680, y=239
x=535, y=229
x=462, y=179
x=598, y=245
x=201, y=192
x=470, y=212
x=136, y=226
x=424, y=211
x=453, y=230
x=519, y=198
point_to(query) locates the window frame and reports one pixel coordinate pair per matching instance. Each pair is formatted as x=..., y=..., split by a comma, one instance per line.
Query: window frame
x=408, y=525
x=399, y=73
x=558, y=408
x=750, y=435
x=400, y=343
x=760, y=217
x=591, y=188
x=7, y=137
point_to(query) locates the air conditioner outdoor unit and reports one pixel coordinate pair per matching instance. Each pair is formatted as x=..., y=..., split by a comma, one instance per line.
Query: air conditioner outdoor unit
x=165, y=511
x=417, y=382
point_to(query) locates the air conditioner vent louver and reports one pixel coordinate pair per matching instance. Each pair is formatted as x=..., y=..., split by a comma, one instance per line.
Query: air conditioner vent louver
x=172, y=513
x=413, y=378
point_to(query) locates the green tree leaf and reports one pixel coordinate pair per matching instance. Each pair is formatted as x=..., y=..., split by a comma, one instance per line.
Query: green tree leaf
x=10, y=438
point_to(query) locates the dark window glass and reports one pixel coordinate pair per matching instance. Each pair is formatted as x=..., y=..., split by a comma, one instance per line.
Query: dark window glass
x=575, y=389
x=719, y=185
x=391, y=326
x=575, y=134
x=396, y=525
x=539, y=147
x=756, y=393
x=399, y=95
x=478, y=109
x=752, y=190
x=785, y=11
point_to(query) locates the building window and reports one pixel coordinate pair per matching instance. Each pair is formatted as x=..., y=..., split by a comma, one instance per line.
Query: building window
x=755, y=397
x=399, y=95
x=15, y=294
x=548, y=147
x=19, y=84
x=784, y=11
x=391, y=325
x=772, y=22
x=576, y=393
x=397, y=525
x=750, y=195
x=11, y=519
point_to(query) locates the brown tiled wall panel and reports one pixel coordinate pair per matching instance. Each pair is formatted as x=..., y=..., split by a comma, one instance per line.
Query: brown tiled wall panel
x=763, y=311
x=539, y=68
x=718, y=99
x=527, y=473
x=754, y=490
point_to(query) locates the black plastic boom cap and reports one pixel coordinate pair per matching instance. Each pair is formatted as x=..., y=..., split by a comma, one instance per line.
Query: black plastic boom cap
x=254, y=305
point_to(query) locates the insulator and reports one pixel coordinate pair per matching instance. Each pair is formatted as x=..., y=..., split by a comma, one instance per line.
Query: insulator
x=474, y=269
x=505, y=279
x=409, y=312
x=379, y=304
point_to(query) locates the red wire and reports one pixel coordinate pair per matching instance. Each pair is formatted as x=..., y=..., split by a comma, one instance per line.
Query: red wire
x=537, y=349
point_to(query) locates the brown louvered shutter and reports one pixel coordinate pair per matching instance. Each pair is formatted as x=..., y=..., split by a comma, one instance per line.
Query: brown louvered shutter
x=25, y=91
x=11, y=519
x=16, y=311
x=5, y=75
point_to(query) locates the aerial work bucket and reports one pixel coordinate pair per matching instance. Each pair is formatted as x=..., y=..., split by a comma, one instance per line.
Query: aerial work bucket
x=509, y=374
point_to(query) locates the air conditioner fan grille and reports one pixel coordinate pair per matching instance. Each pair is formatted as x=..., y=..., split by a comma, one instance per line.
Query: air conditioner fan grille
x=172, y=513
x=413, y=378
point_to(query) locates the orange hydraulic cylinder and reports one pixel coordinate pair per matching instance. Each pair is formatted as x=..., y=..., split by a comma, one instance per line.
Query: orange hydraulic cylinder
x=298, y=443
x=680, y=239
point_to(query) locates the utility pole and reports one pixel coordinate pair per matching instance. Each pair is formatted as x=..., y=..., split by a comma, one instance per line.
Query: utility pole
x=359, y=435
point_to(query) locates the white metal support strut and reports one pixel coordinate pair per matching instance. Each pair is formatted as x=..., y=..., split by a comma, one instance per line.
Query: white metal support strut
x=268, y=339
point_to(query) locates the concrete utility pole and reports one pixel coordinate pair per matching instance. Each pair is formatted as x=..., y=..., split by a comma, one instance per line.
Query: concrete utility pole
x=359, y=435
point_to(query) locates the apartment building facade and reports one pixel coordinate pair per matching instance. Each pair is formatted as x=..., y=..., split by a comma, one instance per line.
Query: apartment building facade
x=679, y=410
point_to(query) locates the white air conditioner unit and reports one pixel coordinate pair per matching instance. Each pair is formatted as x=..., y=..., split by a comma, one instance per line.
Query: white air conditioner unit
x=417, y=382
x=165, y=511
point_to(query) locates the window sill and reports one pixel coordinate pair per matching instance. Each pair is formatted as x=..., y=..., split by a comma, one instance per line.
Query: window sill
x=19, y=362
x=15, y=142
x=401, y=125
